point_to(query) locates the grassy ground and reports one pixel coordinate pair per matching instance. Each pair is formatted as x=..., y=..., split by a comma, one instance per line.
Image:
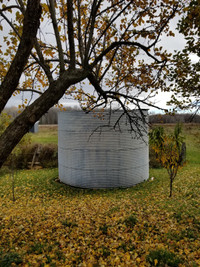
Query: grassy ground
x=51, y=224
x=47, y=134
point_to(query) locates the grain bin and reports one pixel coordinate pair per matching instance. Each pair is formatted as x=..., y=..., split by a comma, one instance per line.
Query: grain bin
x=93, y=155
x=34, y=129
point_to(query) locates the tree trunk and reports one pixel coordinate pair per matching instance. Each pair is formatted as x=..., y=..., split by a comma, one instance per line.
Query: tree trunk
x=31, y=24
x=171, y=186
x=21, y=125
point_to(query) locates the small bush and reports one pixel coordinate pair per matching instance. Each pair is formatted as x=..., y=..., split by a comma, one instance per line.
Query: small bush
x=47, y=156
x=170, y=150
x=20, y=161
x=161, y=257
x=5, y=120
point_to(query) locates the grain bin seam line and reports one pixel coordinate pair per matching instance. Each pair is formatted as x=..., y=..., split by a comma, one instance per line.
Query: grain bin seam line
x=99, y=150
x=121, y=169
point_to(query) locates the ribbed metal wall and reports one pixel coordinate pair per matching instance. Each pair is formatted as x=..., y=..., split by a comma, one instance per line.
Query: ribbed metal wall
x=102, y=159
x=35, y=128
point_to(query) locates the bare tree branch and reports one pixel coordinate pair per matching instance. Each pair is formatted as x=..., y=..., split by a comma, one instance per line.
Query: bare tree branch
x=163, y=25
x=71, y=33
x=91, y=23
x=9, y=7
x=110, y=23
x=80, y=39
x=29, y=90
x=55, y=27
x=91, y=77
x=108, y=8
x=41, y=61
x=117, y=44
x=10, y=23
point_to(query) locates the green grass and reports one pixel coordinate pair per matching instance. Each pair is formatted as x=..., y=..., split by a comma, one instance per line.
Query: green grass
x=192, y=139
x=47, y=134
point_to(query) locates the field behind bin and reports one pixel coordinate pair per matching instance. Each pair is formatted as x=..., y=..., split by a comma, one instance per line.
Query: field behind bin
x=47, y=134
x=51, y=224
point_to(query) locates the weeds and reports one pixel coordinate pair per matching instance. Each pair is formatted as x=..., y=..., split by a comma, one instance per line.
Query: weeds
x=10, y=258
x=130, y=221
x=161, y=257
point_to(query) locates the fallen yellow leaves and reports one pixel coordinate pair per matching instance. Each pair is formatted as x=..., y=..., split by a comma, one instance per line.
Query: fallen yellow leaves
x=97, y=228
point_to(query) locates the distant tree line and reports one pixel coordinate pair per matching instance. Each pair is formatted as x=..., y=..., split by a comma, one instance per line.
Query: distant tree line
x=183, y=118
x=51, y=117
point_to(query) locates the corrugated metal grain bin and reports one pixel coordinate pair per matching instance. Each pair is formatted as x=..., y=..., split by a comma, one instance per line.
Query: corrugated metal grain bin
x=91, y=155
x=34, y=129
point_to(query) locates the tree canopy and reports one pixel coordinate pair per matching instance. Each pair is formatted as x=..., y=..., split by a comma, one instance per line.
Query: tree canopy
x=185, y=71
x=53, y=47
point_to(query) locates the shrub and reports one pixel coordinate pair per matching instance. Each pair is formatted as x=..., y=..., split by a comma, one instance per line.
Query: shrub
x=5, y=120
x=170, y=150
x=47, y=156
